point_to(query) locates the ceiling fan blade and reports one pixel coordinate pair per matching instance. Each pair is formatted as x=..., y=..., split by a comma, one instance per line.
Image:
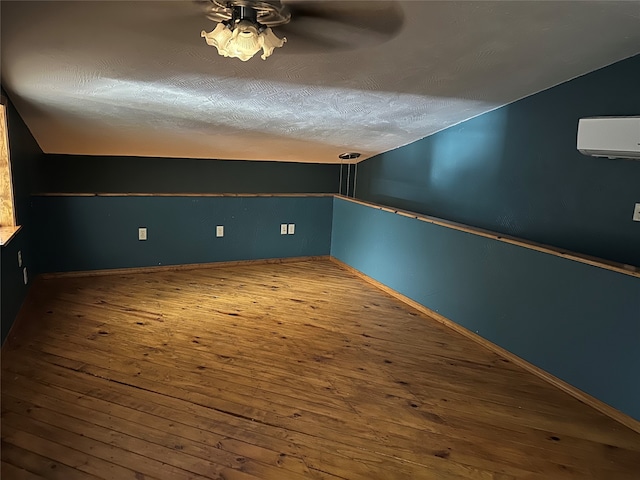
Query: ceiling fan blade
x=177, y=10
x=316, y=26
x=381, y=17
x=322, y=26
x=175, y=22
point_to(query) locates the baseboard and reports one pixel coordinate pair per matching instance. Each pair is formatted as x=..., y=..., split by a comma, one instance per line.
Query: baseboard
x=188, y=266
x=593, y=402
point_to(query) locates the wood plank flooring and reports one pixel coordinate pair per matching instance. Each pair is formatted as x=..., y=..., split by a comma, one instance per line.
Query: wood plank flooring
x=282, y=371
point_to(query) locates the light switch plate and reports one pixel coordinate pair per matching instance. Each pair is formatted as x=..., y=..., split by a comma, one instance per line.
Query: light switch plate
x=636, y=213
x=292, y=229
x=142, y=234
x=220, y=231
x=283, y=229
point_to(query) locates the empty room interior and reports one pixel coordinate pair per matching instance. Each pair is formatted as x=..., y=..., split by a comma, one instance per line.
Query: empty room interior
x=329, y=240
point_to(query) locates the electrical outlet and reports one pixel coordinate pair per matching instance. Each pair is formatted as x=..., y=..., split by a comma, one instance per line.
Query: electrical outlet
x=220, y=231
x=292, y=229
x=24, y=275
x=19, y=258
x=283, y=229
x=142, y=233
x=636, y=213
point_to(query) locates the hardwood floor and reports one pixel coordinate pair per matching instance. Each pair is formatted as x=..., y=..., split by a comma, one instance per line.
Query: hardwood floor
x=285, y=371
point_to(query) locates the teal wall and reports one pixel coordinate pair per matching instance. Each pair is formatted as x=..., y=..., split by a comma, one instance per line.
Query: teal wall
x=24, y=154
x=516, y=170
x=88, y=233
x=94, y=232
x=578, y=322
x=87, y=174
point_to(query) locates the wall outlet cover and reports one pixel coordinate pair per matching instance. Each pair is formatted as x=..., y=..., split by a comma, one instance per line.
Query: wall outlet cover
x=636, y=213
x=283, y=229
x=142, y=233
x=292, y=229
x=220, y=231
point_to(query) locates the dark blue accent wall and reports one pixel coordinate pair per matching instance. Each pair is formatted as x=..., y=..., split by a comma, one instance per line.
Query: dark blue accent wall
x=516, y=170
x=24, y=154
x=12, y=285
x=578, y=322
x=92, y=174
x=97, y=232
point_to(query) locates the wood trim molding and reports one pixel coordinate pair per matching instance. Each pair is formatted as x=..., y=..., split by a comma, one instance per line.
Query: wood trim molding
x=544, y=375
x=188, y=266
x=558, y=252
x=7, y=233
x=98, y=194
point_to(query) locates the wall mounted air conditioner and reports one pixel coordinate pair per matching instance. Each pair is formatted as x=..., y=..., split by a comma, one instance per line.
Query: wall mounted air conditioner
x=611, y=137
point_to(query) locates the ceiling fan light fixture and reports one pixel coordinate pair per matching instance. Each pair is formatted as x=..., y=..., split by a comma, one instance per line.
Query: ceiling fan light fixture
x=240, y=33
x=244, y=41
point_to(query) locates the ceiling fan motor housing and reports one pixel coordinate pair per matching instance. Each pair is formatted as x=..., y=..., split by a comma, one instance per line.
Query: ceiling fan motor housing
x=260, y=12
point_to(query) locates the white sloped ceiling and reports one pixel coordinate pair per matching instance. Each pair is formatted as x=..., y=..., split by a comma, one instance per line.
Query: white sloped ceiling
x=136, y=78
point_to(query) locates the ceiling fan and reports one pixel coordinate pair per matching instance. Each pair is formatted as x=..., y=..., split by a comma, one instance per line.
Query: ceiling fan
x=244, y=27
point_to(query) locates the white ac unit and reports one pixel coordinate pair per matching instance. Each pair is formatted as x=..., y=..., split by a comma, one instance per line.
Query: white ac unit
x=611, y=137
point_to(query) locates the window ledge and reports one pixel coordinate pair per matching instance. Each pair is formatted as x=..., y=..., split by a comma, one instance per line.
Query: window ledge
x=7, y=233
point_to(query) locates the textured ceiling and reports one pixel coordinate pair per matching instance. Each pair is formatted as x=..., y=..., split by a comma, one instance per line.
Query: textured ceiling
x=136, y=78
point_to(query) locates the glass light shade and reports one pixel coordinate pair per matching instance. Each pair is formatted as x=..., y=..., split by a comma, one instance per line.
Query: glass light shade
x=218, y=38
x=244, y=41
x=270, y=42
